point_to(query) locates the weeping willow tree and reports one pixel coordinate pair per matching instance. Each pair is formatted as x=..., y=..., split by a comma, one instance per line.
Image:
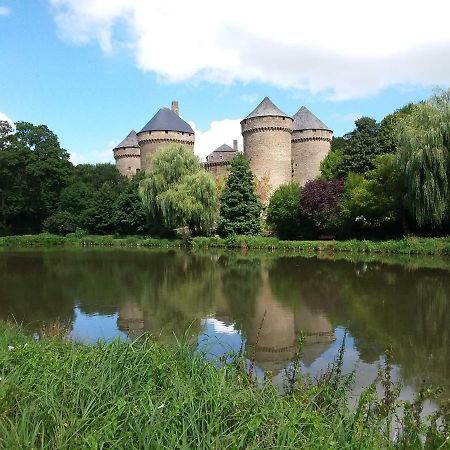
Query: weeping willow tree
x=177, y=192
x=423, y=159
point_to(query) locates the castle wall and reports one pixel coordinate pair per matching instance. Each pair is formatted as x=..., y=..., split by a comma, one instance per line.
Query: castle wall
x=219, y=169
x=309, y=148
x=267, y=144
x=152, y=141
x=128, y=161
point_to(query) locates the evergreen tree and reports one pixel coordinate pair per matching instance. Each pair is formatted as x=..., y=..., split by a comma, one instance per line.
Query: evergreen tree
x=240, y=208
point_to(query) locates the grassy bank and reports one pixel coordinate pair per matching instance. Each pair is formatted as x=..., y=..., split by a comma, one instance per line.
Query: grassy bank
x=57, y=394
x=406, y=246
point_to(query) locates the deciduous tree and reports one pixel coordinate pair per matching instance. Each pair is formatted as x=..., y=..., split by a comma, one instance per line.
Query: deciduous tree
x=283, y=212
x=177, y=192
x=424, y=159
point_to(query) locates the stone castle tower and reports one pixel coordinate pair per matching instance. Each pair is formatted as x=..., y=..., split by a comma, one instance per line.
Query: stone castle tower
x=267, y=143
x=280, y=148
x=311, y=141
x=165, y=128
x=128, y=155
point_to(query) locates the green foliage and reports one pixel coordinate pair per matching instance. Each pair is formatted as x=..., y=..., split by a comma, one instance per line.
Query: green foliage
x=95, y=175
x=177, y=192
x=424, y=159
x=57, y=394
x=33, y=171
x=283, y=213
x=329, y=166
x=361, y=146
x=375, y=200
x=390, y=128
x=240, y=208
x=405, y=246
x=101, y=215
x=61, y=222
x=129, y=213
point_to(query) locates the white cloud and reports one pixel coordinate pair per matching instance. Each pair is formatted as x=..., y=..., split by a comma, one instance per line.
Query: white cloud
x=346, y=48
x=347, y=117
x=219, y=132
x=250, y=98
x=104, y=155
x=4, y=117
x=5, y=11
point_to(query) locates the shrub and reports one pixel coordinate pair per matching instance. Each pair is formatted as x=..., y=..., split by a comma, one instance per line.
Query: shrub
x=283, y=213
x=319, y=204
x=61, y=223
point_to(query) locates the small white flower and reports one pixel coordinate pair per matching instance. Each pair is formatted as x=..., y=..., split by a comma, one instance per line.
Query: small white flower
x=10, y=347
x=161, y=406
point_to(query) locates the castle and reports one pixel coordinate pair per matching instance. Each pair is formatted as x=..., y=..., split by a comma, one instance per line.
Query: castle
x=280, y=148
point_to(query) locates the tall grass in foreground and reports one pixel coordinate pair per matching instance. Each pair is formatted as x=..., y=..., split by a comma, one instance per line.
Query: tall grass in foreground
x=55, y=394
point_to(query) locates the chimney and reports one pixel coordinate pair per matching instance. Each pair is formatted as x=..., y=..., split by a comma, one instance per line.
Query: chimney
x=175, y=107
x=235, y=147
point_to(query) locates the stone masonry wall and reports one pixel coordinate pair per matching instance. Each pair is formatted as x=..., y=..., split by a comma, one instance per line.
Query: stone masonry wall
x=309, y=148
x=152, y=141
x=219, y=169
x=267, y=144
x=128, y=161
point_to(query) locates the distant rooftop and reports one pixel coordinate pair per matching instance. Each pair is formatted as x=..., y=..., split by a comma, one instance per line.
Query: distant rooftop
x=166, y=120
x=224, y=148
x=222, y=153
x=130, y=141
x=304, y=119
x=266, y=108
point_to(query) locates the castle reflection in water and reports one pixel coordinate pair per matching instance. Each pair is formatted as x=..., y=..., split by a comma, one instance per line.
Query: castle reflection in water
x=224, y=296
x=271, y=331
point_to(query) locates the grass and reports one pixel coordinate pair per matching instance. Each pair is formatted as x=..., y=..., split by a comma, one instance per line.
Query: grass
x=405, y=246
x=56, y=394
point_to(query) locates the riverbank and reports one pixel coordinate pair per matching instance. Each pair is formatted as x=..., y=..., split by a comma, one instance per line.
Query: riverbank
x=57, y=394
x=406, y=246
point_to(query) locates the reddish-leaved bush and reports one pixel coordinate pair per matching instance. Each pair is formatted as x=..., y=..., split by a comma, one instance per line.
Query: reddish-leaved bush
x=319, y=202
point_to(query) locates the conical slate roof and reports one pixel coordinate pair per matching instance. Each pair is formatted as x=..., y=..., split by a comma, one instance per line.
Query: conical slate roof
x=304, y=119
x=166, y=120
x=131, y=141
x=224, y=148
x=266, y=108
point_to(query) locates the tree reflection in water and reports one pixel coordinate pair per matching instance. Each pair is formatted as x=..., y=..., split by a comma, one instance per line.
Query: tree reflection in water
x=171, y=293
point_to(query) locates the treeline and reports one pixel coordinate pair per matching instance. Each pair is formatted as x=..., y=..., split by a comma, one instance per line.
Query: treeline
x=41, y=190
x=381, y=180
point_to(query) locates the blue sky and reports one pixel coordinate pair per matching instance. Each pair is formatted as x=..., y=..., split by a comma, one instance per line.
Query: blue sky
x=92, y=70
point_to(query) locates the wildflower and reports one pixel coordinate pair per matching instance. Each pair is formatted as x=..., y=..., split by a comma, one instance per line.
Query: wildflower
x=10, y=347
x=161, y=406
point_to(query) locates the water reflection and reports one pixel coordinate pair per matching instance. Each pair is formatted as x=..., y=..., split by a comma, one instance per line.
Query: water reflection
x=226, y=300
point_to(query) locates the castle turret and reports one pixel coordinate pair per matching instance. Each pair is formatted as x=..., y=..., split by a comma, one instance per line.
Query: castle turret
x=164, y=129
x=267, y=143
x=311, y=141
x=128, y=155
